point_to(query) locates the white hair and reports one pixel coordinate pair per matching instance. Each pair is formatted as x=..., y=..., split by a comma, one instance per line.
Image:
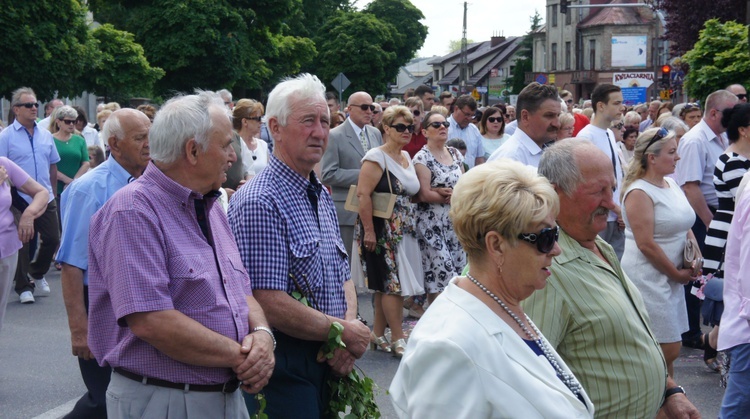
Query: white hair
x=180, y=119
x=225, y=94
x=305, y=88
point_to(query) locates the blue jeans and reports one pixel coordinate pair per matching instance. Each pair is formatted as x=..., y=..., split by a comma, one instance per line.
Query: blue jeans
x=736, y=403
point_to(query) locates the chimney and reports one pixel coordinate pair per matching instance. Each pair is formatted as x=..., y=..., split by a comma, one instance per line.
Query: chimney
x=497, y=39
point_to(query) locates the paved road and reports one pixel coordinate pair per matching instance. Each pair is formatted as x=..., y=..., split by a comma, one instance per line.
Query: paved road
x=39, y=378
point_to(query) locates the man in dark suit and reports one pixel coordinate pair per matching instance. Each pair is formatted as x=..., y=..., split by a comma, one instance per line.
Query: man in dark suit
x=347, y=144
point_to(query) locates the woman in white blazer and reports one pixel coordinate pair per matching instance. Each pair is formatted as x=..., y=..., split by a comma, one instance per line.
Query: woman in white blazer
x=475, y=354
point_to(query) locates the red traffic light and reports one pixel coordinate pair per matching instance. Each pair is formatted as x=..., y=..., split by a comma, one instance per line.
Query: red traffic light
x=666, y=68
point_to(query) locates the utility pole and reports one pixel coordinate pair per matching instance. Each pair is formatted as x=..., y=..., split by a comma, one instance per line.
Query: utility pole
x=462, y=78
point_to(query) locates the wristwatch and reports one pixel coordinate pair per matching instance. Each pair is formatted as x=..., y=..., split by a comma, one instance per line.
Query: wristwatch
x=672, y=391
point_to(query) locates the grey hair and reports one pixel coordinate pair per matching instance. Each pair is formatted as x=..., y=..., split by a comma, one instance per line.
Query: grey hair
x=718, y=99
x=225, y=94
x=304, y=88
x=63, y=112
x=180, y=119
x=632, y=118
x=16, y=98
x=113, y=128
x=560, y=166
x=672, y=123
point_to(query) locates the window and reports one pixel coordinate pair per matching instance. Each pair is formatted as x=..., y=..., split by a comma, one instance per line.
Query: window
x=592, y=54
x=567, y=55
x=554, y=15
x=436, y=76
x=567, y=17
x=554, y=57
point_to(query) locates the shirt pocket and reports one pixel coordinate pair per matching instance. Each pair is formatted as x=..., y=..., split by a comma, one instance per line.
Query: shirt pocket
x=239, y=277
x=191, y=283
x=306, y=267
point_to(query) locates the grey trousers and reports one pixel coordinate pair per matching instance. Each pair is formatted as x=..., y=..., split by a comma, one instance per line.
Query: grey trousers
x=7, y=272
x=130, y=399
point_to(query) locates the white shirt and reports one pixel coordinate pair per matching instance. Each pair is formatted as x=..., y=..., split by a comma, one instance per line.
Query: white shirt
x=699, y=150
x=605, y=141
x=254, y=161
x=471, y=136
x=519, y=147
x=92, y=137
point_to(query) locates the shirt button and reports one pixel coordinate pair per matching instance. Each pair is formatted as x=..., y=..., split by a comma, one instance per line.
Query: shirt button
x=236, y=315
x=190, y=270
x=225, y=281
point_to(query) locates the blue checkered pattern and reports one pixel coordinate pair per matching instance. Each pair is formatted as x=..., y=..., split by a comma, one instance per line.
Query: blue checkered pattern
x=279, y=237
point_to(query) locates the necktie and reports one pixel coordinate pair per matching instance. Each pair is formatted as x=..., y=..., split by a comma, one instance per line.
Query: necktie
x=363, y=140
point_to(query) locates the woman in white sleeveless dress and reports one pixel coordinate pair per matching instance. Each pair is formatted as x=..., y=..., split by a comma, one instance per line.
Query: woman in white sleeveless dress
x=658, y=218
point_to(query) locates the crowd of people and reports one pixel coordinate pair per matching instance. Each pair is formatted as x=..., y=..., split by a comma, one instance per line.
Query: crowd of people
x=208, y=245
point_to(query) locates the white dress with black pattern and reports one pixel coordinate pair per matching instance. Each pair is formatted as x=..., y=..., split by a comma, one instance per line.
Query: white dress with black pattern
x=442, y=255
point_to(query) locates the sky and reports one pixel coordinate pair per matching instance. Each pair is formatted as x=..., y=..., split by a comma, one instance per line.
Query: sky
x=444, y=19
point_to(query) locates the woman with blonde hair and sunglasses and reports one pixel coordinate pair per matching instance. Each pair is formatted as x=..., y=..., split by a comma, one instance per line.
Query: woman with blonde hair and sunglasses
x=657, y=219
x=387, y=249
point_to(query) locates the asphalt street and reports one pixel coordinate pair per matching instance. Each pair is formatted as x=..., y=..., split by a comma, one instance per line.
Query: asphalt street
x=39, y=377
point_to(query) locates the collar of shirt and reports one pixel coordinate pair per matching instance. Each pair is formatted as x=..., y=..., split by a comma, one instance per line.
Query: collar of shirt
x=17, y=125
x=527, y=142
x=454, y=124
x=709, y=135
x=113, y=166
x=292, y=179
x=357, y=129
x=573, y=250
x=180, y=193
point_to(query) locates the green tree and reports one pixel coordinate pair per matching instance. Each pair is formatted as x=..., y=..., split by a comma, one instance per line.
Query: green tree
x=122, y=70
x=524, y=65
x=405, y=17
x=360, y=46
x=455, y=44
x=47, y=47
x=718, y=59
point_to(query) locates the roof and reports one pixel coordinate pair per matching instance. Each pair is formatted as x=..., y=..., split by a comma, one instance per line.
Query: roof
x=426, y=79
x=511, y=46
x=455, y=54
x=617, y=15
x=483, y=50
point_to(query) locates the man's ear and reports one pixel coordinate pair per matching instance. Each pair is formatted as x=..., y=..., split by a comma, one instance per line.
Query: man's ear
x=273, y=126
x=192, y=149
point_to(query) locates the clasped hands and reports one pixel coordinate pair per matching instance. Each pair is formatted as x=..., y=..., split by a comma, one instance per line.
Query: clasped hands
x=256, y=362
x=356, y=337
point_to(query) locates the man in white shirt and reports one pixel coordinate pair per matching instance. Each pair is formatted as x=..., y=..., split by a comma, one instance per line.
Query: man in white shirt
x=606, y=99
x=653, y=108
x=538, y=110
x=461, y=127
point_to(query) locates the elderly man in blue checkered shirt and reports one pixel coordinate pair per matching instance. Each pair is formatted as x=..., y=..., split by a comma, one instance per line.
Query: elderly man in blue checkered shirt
x=287, y=231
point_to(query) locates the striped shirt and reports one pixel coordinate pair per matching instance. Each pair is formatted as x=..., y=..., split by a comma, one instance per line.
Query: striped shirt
x=596, y=320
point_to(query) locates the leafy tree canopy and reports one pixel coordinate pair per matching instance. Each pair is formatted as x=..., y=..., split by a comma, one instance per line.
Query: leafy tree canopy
x=46, y=47
x=405, y=17
x=524, y=65
x=683, y=17
x=360, y=46
x=719, y=58
x=121, y=69
x=455, y=44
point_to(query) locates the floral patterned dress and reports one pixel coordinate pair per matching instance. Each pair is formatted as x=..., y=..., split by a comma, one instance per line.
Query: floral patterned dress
x=442, y=254
x=389, y=269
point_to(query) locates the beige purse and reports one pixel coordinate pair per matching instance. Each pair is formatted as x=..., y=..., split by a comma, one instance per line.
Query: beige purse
x=692, y=257
x=382, y=202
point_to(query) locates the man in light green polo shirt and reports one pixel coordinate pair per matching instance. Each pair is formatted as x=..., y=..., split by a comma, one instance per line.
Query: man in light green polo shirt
x=590, y=311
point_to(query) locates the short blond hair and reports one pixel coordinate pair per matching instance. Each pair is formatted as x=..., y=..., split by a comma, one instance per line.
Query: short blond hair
x=503, y=196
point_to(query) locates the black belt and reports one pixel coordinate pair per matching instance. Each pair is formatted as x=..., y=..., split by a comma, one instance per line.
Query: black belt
x=229, y=387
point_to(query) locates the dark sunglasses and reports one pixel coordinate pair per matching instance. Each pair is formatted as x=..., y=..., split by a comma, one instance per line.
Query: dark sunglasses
x=618, y=125
x=401, y=127
x=659, y=135
x=68, y=121
x=365, y=107
x=375, y=112
x=495, y=119
x=690, y=106
x=254, y=118
x=437, y=125
x=569, y=101
x=742, y=96
x=416, y=112
x=545, y=240
x=29, y=105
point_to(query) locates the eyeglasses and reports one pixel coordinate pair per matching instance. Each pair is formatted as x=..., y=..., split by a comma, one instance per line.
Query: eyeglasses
x=569, y=101
x=29, y=105
x=689, y=106
x=493, y=119
x=437, y=125
x=659, y=135
x=365, y=107
x=618, y=125
x=402, y=127
x=545, y=240
x=416, y=112
x=228, y=103
x=375, y=112
x=469, y=115
x=742, y=96
x=254, y=118
x=67, y=121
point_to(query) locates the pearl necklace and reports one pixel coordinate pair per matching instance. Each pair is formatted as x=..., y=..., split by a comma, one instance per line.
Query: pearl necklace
x=568, y=379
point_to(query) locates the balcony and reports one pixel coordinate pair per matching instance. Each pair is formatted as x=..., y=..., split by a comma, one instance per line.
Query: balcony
x=584, y=77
